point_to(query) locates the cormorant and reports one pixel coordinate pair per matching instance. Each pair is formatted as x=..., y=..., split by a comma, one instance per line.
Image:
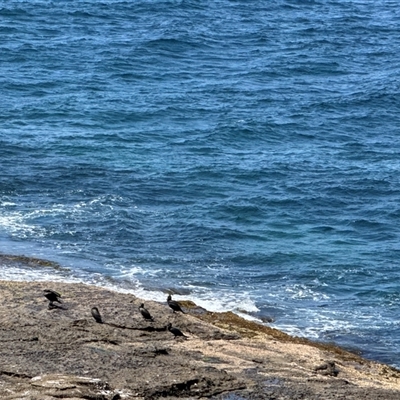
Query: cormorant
x=174, y=304
x=146, y=315
x=53, y=306
x=52, y=296
x=175, y=331
x=96, y=315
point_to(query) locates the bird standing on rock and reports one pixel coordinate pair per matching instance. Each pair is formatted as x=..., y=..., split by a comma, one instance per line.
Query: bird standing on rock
x=174, y=304
x=52, y=296
x=175, y=331
x=146, y=315
x=53, y=306
x=96, y=315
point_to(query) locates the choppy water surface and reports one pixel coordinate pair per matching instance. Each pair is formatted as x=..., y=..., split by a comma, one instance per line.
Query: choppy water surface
x=244, y=154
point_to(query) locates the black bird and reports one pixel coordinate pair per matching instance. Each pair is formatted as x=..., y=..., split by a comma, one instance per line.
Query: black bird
x=175, y=331
x=145, y=313
x=52, y=296
x=53, y=306
x=96, y=315
x=174, y=304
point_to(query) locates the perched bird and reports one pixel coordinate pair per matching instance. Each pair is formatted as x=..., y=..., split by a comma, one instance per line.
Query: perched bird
x=53, y=306
x=174, y=304
x=52, y=296
x=175, y=331
x=96, y=315
x=328, y=369
x=146, y=315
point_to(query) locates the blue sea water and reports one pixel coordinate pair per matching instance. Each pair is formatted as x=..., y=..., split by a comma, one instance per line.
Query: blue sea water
x=244, y=154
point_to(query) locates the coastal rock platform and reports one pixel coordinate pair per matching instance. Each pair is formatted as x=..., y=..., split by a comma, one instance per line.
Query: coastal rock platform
x=61, y=352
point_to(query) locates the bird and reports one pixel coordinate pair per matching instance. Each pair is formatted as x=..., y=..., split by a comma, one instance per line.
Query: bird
x=175, y=331
x=96, y=315
x=54, y=306
x=174, y=304
x=52, y=296
x=146, y=315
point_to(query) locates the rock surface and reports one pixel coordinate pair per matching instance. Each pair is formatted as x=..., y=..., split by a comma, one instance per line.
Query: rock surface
x=62, y=352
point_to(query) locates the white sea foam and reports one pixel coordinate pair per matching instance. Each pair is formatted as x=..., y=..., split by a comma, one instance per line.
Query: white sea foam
x=16, y=224
x=44, y=274
x=311, y=323
x=302, y=291
x=215, y=301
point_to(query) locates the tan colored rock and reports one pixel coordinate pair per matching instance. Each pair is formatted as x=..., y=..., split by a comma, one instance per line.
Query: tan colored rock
x=64, y=353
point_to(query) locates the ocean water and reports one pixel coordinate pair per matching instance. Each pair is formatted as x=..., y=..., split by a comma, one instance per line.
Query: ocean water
x=242, y=154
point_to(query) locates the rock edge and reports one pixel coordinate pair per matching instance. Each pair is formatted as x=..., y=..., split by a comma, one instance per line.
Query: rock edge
x=62, y=352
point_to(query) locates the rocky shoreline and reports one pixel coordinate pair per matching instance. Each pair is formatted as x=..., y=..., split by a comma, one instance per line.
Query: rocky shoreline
x=62, y=352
